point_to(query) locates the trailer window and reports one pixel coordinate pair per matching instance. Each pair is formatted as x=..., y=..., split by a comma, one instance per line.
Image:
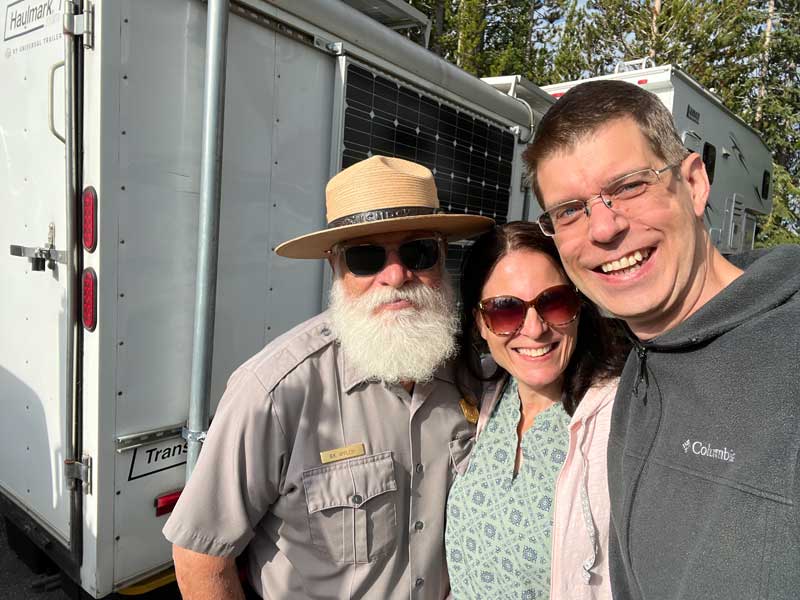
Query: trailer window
x=709, y=160
x=765, y=181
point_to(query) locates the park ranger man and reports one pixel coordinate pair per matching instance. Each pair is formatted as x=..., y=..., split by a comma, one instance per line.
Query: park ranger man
x=329, y=459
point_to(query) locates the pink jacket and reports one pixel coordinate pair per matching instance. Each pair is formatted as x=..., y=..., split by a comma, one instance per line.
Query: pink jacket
x=579, y=568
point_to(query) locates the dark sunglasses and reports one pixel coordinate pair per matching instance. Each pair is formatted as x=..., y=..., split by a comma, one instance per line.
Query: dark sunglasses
x=505, y=315
x=365, y=260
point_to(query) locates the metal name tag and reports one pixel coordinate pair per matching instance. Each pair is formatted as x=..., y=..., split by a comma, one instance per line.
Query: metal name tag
x=350, y=451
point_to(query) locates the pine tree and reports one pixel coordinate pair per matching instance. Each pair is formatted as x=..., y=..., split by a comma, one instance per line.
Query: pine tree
x=711, y=40
x=781, y=225
x=777, y=117
x=569, y=51
x=511, y=36
x=470, y=21
x=518, y=37
x=444, y=32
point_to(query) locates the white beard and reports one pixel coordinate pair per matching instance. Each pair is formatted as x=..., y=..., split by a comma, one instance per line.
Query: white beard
x=394, y=346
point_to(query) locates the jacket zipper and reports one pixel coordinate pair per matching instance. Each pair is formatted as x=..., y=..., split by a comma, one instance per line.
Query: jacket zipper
x=641, y=377
x=641, y=353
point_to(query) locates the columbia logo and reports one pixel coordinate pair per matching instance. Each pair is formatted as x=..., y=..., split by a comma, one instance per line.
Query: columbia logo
x=705, y=449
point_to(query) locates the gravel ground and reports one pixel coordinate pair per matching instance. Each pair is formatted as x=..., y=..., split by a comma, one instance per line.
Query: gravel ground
x=18, y=582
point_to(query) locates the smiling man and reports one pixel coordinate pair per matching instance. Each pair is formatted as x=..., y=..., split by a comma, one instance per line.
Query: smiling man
x=332, y=451
x=703, y=452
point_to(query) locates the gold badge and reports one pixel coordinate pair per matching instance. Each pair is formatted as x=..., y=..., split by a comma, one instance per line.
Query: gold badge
x=350, y=451
x=470, y=412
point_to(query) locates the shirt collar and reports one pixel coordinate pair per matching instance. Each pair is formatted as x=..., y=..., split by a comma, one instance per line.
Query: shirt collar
x=351, y=377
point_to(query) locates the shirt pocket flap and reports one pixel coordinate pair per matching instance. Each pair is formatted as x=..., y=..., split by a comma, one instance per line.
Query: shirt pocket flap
x=460, y=449
x=350, y=482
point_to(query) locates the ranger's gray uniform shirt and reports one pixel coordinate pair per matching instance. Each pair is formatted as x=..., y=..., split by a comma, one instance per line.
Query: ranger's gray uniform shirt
x=369, y=526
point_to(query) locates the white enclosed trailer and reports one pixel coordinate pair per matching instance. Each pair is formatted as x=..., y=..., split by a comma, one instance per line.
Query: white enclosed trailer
x=738, y=162
x=312, y=86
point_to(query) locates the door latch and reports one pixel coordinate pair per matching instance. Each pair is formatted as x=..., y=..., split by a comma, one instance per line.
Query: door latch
x=46, y=254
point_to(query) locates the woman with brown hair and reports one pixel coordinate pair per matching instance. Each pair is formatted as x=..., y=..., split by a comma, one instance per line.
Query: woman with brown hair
x=527, y=517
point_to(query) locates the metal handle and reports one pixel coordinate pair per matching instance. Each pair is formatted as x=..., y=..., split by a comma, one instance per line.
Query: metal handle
x=639, y=63
x=50, y=101
x=693, y=133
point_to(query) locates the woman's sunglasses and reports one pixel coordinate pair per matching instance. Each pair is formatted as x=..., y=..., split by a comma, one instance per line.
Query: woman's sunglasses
x=505, y=315
x=364, y=260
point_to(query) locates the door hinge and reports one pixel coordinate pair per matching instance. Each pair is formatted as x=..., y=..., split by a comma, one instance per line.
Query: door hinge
x=80, y=23
x=75, y=471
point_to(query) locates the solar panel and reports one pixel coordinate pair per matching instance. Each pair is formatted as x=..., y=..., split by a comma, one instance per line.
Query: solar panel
x=470, y=157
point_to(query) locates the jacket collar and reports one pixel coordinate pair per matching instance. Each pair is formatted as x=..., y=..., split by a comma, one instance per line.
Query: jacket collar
x=593, y=401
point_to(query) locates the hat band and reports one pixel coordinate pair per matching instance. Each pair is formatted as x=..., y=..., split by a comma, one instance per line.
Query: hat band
x=382, y=214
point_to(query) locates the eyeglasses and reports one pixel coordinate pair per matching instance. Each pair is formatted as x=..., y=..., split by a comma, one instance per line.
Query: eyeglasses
x=504, y=315
x=617, y=196
x=364, y=260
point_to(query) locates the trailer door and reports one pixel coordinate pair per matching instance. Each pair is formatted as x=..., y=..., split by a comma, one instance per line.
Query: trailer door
x=33, y=322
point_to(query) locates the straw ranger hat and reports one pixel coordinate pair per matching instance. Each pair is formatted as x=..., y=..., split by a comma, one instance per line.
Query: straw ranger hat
x=381, y=195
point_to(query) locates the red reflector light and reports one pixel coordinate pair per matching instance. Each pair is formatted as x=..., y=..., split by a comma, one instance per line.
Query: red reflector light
x=557, y=94
x=164, y=504
x=642, y=81
x=89, y=299
x=89, y=202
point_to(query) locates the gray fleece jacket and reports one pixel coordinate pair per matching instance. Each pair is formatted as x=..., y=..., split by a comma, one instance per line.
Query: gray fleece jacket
x=703, y=452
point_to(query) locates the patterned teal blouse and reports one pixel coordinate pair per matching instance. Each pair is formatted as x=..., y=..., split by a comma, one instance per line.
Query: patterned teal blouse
x=498, y=534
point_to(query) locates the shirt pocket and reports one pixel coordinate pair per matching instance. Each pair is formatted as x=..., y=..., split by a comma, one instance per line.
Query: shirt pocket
x=352, y=515
x=460, y=450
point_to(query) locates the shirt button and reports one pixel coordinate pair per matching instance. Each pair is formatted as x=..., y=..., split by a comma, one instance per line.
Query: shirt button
x=419, y=525
x=419, y=582
x=357, y=499
x=419, y=468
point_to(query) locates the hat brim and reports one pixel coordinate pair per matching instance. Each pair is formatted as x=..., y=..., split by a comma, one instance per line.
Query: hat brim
x=316, y=245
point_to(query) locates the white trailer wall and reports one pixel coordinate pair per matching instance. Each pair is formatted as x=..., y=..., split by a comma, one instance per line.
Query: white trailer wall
x=145, y=83
x=32, y=304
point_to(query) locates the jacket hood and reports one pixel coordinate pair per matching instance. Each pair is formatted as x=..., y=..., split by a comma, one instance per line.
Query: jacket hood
x=771, y=277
